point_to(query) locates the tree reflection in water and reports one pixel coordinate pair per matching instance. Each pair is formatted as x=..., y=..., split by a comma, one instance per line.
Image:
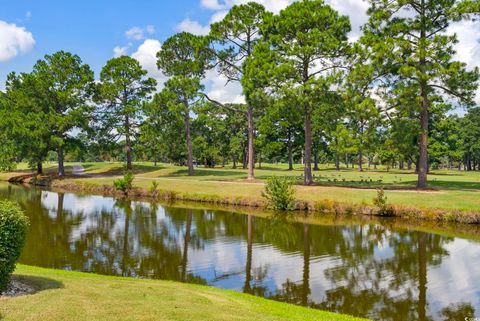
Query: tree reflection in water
x=372, y=270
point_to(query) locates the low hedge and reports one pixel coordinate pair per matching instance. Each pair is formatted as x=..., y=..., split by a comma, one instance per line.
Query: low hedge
x=13, y=230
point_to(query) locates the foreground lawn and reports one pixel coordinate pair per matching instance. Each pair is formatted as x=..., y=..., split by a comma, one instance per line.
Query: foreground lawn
x=454, y=189
x=78, y=296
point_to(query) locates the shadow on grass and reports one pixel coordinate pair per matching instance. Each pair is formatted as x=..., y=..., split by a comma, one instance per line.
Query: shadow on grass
x=38, y=283
x=460, y=185
x=199, y=172
x=117, y=170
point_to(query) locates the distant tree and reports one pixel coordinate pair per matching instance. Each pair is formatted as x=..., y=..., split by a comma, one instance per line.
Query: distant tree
x=27, y=124
x=66, y=84
x=363, y=113
x=7, y=147
x=184, y=58
x=123, y=89
x=233, y=41
x=282, y=124
x=414, y=53
x=470, y=138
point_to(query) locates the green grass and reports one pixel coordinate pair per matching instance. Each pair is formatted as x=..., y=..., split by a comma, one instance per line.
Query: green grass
x=454, y=189
x=74, y=296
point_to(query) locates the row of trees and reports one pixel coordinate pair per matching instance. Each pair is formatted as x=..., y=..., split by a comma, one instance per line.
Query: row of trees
x=308, y=91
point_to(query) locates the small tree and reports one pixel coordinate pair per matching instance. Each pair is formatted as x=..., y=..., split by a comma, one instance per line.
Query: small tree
x=381, y=201
x=280, y=193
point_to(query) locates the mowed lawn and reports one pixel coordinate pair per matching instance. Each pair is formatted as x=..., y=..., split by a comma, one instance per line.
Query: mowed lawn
x=74, y=296
x=453, y=189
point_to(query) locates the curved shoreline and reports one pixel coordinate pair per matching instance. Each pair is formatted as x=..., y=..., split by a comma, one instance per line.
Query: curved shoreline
x=67, y=295
x=325, y=206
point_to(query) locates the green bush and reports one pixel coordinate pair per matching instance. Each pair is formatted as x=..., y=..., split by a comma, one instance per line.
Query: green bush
x=124, y=184
x=13, y=230
x=280, y=193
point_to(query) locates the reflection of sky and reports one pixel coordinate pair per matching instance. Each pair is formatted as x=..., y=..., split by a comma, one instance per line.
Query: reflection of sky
x=457, y=277
x=221, y=260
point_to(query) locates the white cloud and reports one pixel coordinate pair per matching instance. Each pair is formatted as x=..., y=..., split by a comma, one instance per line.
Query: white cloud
x=193, y=27
x=120, y=51
x=218, y=16
x=356, y=10
x=14, y=41
x=137, y=33
x=146, y=54
x=468, y=46
x=218, y=89
x=212, y=4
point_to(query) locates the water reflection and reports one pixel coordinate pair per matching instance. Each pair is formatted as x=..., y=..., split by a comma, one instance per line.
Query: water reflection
x=371, y=270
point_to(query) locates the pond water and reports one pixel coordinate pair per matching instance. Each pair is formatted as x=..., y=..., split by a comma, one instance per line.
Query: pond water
x=369, y=269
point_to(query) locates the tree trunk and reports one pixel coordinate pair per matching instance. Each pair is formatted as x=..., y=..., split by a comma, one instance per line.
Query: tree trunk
x=39, y=168
x=360, y=160
x=423, y=159
x=251, y=155
x=189, y=144
x=128, y=144
x=244, y=158
x=337, y=156
x=290, y=151
x=234, y=158
x=315, y=159
x=308, y=148
x=61, y=165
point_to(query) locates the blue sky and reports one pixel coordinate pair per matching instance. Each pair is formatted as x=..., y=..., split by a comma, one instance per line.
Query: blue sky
x=91, y=28
x=98, y=30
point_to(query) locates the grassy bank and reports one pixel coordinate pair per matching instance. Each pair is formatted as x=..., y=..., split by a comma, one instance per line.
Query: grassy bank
x=73, y=296
x=454, y=194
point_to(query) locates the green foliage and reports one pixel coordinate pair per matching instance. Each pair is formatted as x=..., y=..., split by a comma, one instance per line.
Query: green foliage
x=123, y=89
x=413, y=55
x=304, y=47
x=280, y=193
x=124, y=184
x=13, y=231
x=46, y=104
x=381, y=201
x=154, y=188
x=185, y=58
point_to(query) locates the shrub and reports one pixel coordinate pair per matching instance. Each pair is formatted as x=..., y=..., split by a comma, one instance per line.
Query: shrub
x=381, y=201
x=13, y=230
x=279, y=193
x=124, y=184
x=154, y=189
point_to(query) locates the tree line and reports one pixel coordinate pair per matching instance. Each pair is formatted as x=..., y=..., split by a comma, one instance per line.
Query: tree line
x=311, y=95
